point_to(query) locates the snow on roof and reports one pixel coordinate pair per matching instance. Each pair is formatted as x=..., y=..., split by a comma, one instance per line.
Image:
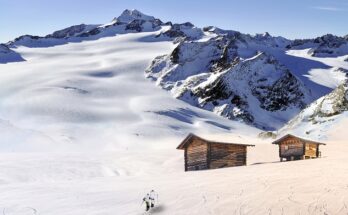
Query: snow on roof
x=290, y=135
x=222, y=139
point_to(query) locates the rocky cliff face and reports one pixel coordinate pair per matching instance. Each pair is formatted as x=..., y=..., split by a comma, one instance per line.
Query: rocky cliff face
x=215, y=76
x=70, y=31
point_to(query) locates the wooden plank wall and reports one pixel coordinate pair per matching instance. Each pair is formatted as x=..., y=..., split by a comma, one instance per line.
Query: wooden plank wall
x=311, y=150
x=196, y=155
x=291, y=147
x=224, y=155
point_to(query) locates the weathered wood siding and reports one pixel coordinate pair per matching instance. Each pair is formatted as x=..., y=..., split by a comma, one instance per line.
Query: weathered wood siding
x=291, y=147
x=224, y=155
x=196, y=155
x=311, y=150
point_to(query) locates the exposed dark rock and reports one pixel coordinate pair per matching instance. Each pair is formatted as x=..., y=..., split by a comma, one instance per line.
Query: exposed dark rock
x=135, y=25
x=279, y=96
x=174, y=56
x=92, y=32
x=215, y=91
x=337, y=100
x=67, y=32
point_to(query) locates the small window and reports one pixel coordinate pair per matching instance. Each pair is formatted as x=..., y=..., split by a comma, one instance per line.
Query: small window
x=286, y=147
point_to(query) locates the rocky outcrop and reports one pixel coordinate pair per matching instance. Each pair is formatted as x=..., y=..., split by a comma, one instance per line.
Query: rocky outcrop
x=315, y=120
x=68, y=32
x=332, y=104
x=212, y=75
x=7, y=55
x=325, y=46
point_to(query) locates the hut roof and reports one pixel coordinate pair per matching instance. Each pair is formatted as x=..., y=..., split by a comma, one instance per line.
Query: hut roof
x=290, y=135
x=189, y=137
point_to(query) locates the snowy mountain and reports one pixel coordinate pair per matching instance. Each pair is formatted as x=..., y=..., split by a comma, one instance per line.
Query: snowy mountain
x=320, y=116
x=325, y=46
x=129, y=21
x=223, y=71
x=257, y=90
x=234, y=75
x=128, y=16
x=63, y=95
x=259, y=79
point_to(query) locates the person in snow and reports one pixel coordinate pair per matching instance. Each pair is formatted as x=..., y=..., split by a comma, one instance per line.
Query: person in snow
x=153, y=198
x=146, y=199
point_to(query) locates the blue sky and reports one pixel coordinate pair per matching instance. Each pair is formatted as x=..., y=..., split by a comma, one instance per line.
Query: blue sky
x=289, y=18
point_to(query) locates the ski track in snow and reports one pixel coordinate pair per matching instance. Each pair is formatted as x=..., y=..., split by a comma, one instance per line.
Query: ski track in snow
x=101, y=136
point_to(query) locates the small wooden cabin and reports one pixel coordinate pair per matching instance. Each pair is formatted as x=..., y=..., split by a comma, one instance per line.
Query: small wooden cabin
x=205, y=154
x=296, y=148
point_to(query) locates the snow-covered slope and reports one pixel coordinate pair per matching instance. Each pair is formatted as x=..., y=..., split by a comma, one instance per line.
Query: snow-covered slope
x=257, y=90
x=325, y=46
x=225, y=73
x=93, y=95
x=320, y=117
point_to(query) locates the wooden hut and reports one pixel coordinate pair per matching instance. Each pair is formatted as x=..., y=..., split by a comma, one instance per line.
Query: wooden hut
x=206, y=154
x=296, y=148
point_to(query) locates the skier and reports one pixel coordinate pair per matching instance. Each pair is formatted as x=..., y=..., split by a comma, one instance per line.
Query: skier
x=146, y=199
x=153, y=198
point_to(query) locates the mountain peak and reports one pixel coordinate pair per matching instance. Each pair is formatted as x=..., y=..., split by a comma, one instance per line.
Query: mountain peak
x=130, y=15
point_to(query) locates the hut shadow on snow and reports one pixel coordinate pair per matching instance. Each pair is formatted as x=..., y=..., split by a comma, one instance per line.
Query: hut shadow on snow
x=260, y=163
